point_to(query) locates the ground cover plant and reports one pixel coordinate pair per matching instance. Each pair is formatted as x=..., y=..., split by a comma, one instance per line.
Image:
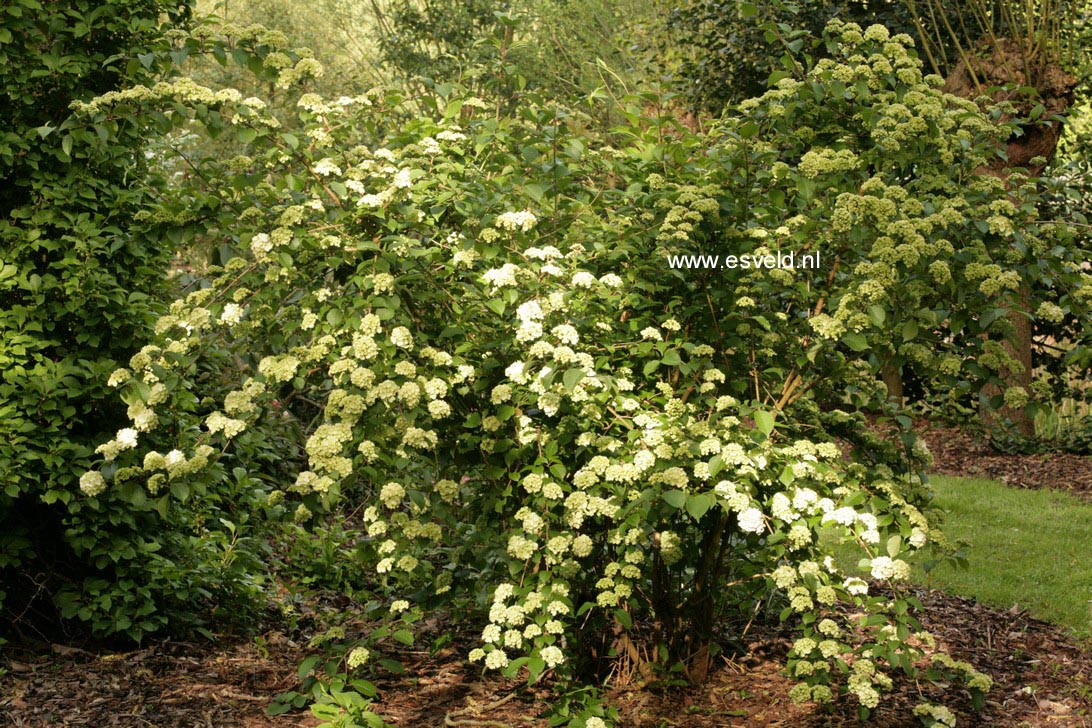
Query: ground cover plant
x=442, y=362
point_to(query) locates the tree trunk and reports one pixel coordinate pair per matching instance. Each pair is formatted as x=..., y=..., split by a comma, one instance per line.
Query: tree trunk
x=994, y=66
x=892, y=379
x=1018, y=347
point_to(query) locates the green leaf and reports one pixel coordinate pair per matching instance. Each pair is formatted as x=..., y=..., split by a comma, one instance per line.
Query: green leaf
x=512, y=668
x=855, y=341
x=307, y=666
x=572, y=378
x=990, y=316
x=671, y=358
x=764, y=421
x=699, y=504
x=894, y=545
x=675, y=498
x=535, y=667
x=623, y=618
x=392, y=666
x=453, y=108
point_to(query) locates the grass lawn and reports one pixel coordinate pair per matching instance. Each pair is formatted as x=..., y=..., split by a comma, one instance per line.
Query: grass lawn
x=1027, y=547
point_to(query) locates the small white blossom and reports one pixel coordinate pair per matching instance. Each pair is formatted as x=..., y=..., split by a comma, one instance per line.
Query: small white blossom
x=92, y=483
x=750, y=521
x=583, y=279
x=512, y=221
x=232, y=314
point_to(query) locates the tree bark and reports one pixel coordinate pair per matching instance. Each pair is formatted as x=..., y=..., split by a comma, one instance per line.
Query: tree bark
x=993, y=67
x=892, y=379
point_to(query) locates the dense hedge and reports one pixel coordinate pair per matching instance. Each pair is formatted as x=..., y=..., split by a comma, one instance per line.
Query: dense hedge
x=467, y=333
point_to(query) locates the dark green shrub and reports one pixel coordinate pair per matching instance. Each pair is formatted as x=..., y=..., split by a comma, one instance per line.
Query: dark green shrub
x=501, y=361
x=83, y=273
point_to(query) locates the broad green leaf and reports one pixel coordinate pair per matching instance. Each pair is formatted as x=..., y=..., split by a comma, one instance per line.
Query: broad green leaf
x=894, y=545
x=764, y=421
x=698, y=505
x=855, y=341
x=675, y=498
x=572, y=378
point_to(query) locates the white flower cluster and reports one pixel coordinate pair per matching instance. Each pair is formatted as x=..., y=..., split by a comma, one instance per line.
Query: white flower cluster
x=884, y=567
x=523, y=220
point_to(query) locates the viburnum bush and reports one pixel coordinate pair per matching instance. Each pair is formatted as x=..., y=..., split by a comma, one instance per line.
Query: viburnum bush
x=470, y=327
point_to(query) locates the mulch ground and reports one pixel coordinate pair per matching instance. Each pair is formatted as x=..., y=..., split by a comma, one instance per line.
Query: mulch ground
x=1041, y=676
x=958, y=452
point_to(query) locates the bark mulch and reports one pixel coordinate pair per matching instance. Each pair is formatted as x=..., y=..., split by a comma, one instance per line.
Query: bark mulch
x=164, y=684
x=958, y=452
x=1041, y=678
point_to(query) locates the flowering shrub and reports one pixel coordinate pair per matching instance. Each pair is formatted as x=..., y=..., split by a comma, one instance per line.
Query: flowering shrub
x=469, y=324
x=85, y=253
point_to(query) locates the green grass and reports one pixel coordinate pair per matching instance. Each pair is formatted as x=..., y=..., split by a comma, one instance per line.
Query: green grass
x=1027, y=547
